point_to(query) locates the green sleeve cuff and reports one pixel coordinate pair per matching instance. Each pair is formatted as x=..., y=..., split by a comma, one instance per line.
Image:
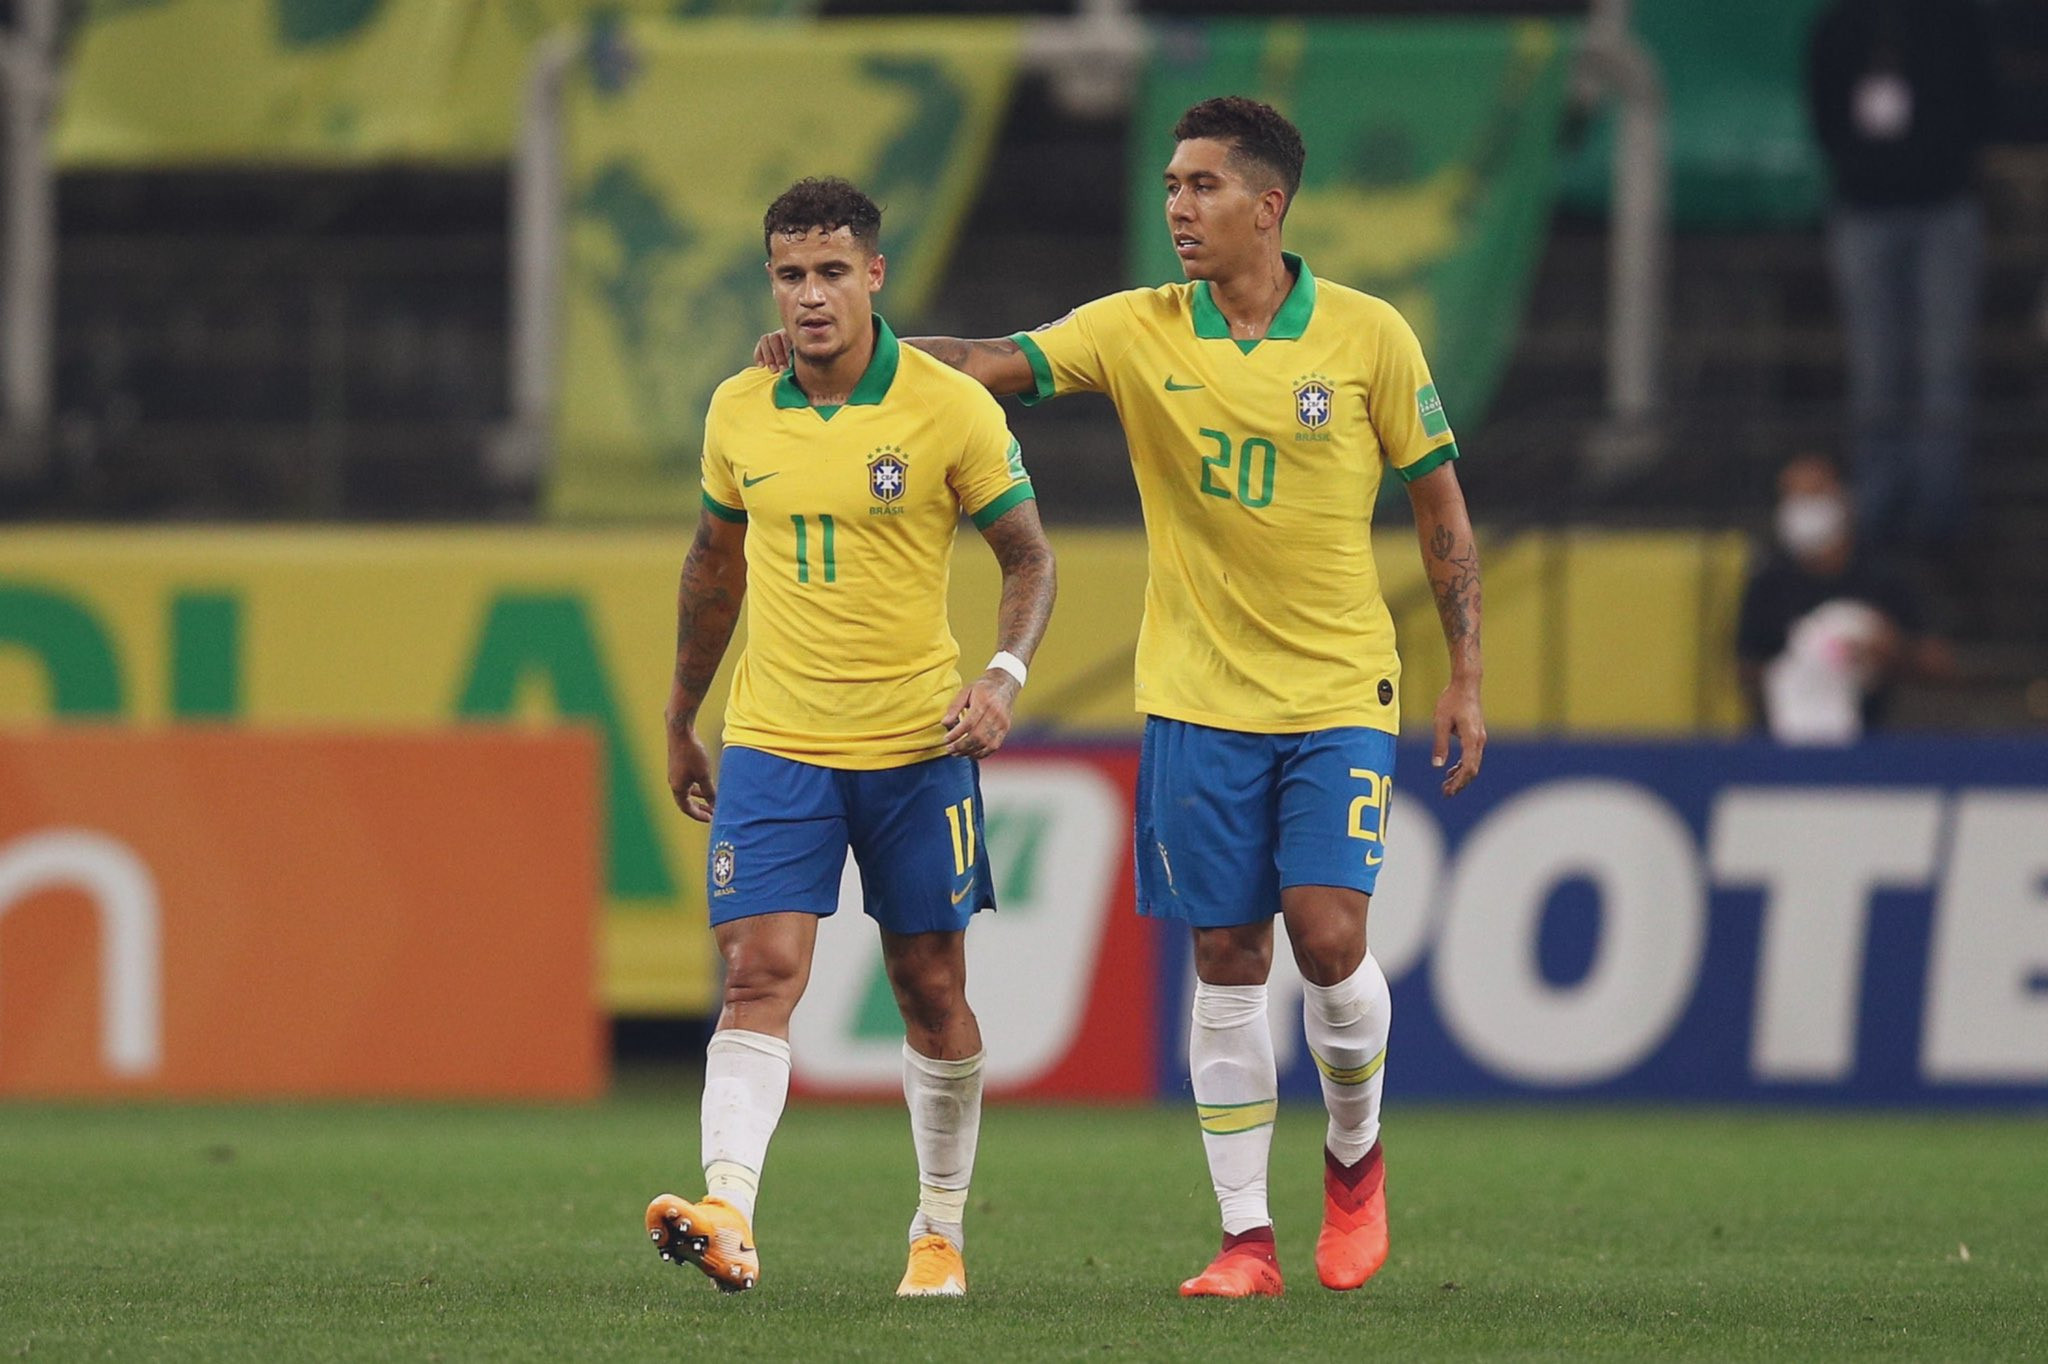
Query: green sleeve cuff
x=989, y=515
x=723, y=512
x=1443, y=454
x=1041, y=370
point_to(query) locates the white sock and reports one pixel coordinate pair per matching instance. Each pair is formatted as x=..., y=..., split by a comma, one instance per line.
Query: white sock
x=944, y=1098
x=746, y=1082
x=1237, y=1091
x=1347, y=1033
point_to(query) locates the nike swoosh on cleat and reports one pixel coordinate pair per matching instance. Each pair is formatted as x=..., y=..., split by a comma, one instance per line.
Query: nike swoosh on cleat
x=1172, y=387
x=750, y=482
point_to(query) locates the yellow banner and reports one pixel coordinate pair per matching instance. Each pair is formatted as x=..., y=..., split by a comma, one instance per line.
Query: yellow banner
x=675, y=153
x=319, y=82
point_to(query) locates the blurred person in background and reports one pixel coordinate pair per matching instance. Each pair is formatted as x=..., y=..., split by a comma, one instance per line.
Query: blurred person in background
x=832, y=491
x=1900, y=97
x=1826, y=630
x=1262, y=406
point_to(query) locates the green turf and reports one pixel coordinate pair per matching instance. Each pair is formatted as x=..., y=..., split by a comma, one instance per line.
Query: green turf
x=461, y=1233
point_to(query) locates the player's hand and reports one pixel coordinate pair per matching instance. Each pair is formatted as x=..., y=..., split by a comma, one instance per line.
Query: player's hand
x=1457, y=712
x=979, y=719
x=689, y=772
x=772, y=351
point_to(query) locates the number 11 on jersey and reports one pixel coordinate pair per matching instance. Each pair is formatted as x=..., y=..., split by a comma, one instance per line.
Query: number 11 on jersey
x=803, y=549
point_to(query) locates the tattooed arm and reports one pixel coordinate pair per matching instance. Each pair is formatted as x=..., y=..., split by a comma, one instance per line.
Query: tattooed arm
x=979, y=719
x=998, y=364
x=707, y=605
x=1451, y=559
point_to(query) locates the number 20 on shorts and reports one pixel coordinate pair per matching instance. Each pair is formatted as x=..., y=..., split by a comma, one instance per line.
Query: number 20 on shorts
x=1369, y=811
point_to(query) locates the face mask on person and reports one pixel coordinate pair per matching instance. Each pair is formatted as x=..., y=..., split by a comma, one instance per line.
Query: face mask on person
x=1811, y=523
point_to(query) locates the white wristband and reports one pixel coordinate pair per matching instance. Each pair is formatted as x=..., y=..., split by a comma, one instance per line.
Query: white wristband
x=1009, y=663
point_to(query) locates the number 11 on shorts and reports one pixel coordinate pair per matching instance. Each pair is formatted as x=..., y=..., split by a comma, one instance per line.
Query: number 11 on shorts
x=958, y=818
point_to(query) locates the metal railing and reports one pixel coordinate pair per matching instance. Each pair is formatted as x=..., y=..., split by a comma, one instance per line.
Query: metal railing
x=28, y=256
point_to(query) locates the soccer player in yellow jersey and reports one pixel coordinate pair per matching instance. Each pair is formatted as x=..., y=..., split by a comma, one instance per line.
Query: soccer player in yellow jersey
x=1261, y=406
x=832, y=491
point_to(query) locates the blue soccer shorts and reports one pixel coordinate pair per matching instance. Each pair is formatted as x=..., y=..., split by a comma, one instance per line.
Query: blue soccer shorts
x=781, y=830
x=1227, y=819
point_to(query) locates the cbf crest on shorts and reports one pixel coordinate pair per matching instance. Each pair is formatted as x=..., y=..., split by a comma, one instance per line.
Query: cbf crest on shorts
x=1312, y=401
x=723, y=864
x=887, y=473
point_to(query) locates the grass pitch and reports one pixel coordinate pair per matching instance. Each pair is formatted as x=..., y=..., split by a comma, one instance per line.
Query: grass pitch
x=310, y=1233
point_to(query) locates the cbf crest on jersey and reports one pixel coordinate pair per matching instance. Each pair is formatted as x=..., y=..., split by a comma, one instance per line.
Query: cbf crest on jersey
x=887, y=473
x=723, y=864
x=1312, y=403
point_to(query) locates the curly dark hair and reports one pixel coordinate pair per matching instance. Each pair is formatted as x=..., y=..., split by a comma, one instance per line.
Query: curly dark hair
x=1259, y=135
x=824, y=201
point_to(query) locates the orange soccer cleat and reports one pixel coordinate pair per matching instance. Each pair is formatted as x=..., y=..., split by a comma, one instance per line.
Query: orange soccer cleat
x=1353, y=1243
x=1246, y=1267
x=712, y=1235
x=936, y=1269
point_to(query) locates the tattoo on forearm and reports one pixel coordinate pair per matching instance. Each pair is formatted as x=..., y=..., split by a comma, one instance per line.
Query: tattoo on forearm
x=1453, y=566
x=947, y=350
x=707, y=607
x=1030, y=580
x=952, y=350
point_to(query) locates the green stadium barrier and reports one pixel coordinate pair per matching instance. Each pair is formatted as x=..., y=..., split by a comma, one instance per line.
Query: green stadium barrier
x=1742, y=155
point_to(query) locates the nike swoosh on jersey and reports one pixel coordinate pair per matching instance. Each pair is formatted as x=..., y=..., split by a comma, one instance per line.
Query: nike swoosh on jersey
x=1374, y=859
x=964, y=891
x=746, y=482
x=1172, y=387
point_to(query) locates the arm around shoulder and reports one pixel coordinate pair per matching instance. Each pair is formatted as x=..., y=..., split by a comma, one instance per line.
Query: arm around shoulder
x=997, y=363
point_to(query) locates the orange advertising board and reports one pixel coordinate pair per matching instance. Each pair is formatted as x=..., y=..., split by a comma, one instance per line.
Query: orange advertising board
x=218, y=912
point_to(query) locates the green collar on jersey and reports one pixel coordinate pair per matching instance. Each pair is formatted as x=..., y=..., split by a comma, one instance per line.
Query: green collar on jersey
x=874, y=381
x=1288, y=324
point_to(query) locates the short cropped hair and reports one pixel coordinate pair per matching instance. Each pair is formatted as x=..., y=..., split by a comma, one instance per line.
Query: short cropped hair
x=826, y=202
x=1257, y=133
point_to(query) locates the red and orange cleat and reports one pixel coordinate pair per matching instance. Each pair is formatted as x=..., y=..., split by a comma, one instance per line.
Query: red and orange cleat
x=1353, y=1243
x=1246, y=1267
x=712, y=1235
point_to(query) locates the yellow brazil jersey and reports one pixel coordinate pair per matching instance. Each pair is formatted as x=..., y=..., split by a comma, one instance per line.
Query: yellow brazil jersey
x=1257, y=465
x=850, y=514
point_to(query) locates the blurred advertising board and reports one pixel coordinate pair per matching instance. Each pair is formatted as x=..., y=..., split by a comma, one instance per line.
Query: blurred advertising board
x=205, y=912
x=398, y=630
x=1670, y=921
x=1060, y=975
x=420, y=629
x=1720, y=921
